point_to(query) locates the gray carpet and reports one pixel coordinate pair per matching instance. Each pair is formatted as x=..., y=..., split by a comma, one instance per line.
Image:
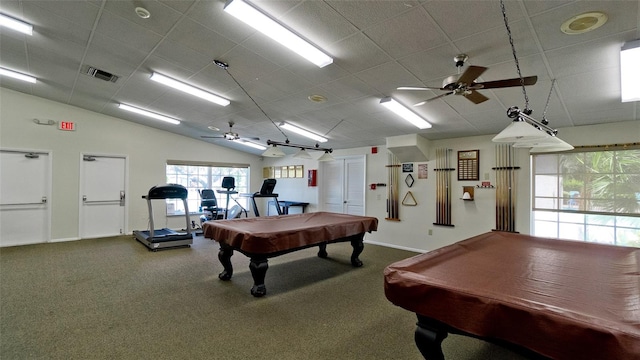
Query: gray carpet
x=111, y=298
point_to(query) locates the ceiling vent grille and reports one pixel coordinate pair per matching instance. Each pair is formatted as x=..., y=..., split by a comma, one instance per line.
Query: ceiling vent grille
x=100, y=74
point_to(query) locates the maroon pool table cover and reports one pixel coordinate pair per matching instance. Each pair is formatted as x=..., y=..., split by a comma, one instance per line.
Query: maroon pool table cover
x=562, y=299
x=272, y=234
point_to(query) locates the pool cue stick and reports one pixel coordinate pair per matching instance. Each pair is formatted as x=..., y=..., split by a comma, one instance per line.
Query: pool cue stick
x=448, y=188
x=449, y=183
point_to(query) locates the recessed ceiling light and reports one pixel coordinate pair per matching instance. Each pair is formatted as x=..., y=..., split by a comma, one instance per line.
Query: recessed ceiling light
x=317, y=98
x=143, y=13
x=583, y=23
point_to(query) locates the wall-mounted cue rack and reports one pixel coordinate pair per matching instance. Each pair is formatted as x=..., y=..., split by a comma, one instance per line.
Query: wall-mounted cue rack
x=393, y=168
x=505, y=188
x=443, y=187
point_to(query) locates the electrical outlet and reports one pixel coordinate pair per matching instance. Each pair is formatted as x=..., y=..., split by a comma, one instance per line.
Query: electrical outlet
x=379, y=197
x=430, y=231
x=486, y=176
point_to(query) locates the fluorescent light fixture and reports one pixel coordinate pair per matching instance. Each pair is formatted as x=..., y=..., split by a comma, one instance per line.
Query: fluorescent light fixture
x=149, y=114
x=250, y=144
x=405, y=113
x=302, y=132
x=17, y=75
x=15, y=24
x=630, y=71
x=273, y=151
x=165, y=80
x=263, y=23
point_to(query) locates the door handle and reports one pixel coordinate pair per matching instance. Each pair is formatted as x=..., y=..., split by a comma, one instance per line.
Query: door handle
x=122, y=197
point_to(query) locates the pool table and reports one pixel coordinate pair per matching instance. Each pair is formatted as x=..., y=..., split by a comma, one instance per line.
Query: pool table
x=547, y=298
x=261, y=238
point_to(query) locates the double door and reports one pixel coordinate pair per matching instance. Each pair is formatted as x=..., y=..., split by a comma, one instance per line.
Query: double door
x=343, y=185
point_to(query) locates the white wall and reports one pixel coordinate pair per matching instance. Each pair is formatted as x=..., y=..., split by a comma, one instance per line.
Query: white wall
x=148, y=150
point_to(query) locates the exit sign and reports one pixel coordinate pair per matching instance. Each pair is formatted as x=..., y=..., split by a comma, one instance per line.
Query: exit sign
x=67, y=125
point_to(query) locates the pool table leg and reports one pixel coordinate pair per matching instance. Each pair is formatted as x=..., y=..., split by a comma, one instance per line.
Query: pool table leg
x=322, y=250
x=358, y=246
x=428, y=338
x=258, y=267
x=224, y=255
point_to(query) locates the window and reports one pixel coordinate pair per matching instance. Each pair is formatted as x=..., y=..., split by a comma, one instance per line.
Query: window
x=198, y=176
x=590, y=196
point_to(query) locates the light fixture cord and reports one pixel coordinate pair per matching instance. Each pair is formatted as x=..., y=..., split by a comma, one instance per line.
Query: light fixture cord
x=515, y=57
x=546, y=106
x=226, y=68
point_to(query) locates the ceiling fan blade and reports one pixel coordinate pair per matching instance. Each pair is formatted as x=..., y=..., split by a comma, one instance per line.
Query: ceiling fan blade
x=211, y=137
x=418, y=88
x=472, y=73
x=529, y=80
x=433, y=98
x=476, y=97
x=250, y=138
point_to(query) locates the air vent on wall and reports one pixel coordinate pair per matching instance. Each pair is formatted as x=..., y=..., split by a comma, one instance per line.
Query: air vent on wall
x=100, y=74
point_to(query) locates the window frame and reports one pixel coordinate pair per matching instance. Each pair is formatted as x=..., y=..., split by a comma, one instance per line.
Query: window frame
x=556, y=215
x=208, y=175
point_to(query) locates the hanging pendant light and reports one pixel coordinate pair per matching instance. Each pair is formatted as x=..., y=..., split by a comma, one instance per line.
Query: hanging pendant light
x=302, y=154
x=518, y=131
x=326, y=157
x=273, y=151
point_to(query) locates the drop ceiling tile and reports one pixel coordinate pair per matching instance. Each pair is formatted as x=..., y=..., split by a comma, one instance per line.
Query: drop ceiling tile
x=127, y=32
x=406, y=34
x=161, y=21
x=373, y=12
x=362, y=53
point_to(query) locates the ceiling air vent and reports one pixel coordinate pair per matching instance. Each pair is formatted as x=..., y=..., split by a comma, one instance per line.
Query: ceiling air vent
x=100, y=74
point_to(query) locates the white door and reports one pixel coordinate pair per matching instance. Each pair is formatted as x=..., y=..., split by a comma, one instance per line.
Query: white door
x=343, y=185
x=102, y=195
x=25, y=190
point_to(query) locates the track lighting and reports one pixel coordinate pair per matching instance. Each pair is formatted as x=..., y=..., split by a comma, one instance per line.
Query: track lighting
x=273, y=151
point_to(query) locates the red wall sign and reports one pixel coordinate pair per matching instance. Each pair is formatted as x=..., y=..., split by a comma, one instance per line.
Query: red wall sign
x=67, y=125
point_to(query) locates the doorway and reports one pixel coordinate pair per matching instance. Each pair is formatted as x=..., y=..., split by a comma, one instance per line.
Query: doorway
x=103, y=200
x=25, y=190
x=343, y=185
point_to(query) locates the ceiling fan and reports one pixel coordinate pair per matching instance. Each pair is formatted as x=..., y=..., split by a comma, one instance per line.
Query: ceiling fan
x=466, y=86
x=229, y=135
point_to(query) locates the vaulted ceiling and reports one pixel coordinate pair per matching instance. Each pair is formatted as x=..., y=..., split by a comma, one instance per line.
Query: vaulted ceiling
x=377, y=46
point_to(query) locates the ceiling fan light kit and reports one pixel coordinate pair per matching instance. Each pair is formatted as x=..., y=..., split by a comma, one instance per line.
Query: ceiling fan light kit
x=253, y=17
x=630, y=71
x=405, y=113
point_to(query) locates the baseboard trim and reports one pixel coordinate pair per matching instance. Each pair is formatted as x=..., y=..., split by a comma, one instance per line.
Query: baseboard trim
x=420, y=251
x=64, y=239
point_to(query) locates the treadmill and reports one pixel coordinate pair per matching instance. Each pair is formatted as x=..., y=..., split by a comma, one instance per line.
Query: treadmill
x=156, y=239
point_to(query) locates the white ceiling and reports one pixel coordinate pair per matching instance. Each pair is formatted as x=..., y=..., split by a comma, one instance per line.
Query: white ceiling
x=376, y=45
